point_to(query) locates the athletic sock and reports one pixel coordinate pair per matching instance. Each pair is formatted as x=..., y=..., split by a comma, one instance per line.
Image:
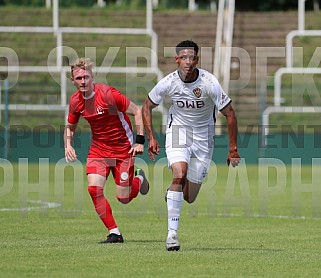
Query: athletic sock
x=134, y=191
x=135, y=187
x=141, y=178
x=114, y=231
x=102, y=206
x=174, y=207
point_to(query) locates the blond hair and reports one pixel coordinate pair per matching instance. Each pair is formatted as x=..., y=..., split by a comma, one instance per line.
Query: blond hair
x=82, y=63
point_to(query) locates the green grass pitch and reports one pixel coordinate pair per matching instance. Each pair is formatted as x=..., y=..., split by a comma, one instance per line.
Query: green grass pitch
x=249, y=221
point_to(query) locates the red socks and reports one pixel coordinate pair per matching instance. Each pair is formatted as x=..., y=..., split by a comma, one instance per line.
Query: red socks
x=102, y=206
x=133, y=194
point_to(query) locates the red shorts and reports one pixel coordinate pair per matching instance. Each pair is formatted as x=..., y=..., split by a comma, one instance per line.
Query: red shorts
x=121, y=168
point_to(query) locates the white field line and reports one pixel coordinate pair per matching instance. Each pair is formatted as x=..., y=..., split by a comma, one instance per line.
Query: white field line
x=40, y=206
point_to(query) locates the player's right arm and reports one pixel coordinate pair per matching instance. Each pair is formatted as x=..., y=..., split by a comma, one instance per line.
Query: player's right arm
x=70, y=154
x=153, y=147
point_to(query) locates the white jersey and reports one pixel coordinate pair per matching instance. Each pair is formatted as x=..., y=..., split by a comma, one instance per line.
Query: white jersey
x=194, y=104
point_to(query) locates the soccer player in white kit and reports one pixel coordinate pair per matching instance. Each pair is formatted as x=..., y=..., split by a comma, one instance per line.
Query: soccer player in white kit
x=196, y=97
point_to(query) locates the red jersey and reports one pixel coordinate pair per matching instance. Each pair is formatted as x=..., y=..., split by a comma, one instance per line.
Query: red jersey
x=111, y=128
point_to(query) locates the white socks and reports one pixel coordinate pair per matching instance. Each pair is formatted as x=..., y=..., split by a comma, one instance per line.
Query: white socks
x=174, y=207
x=114, y=231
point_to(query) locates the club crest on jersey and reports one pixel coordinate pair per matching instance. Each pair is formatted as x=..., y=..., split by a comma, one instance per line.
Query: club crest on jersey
x=197, y=92
x=99, y=110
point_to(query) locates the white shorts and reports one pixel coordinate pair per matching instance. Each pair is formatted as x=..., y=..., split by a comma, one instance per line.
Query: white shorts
x=197, y=153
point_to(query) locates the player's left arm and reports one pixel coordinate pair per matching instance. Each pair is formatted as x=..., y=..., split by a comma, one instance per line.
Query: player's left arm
x=136, y=112
x=70, y=154
x=233, y=155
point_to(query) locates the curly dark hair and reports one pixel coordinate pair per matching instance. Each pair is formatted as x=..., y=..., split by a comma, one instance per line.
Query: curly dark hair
x=186, y=44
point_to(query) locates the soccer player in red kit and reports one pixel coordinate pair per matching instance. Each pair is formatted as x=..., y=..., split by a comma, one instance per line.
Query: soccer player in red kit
x=112, y=148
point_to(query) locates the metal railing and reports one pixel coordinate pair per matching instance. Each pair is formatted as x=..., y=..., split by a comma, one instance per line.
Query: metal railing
x=290, y=69
x=223, y=43
x=223, y=46
x=58, y=32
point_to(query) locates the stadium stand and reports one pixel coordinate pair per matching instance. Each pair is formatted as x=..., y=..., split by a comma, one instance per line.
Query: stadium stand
x=252, y=30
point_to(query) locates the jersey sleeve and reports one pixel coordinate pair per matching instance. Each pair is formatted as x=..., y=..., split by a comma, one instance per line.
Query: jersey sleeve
x=73, y=114
x=158, y=93
x=223, y=99
x=220, y=98
x=120, y=100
